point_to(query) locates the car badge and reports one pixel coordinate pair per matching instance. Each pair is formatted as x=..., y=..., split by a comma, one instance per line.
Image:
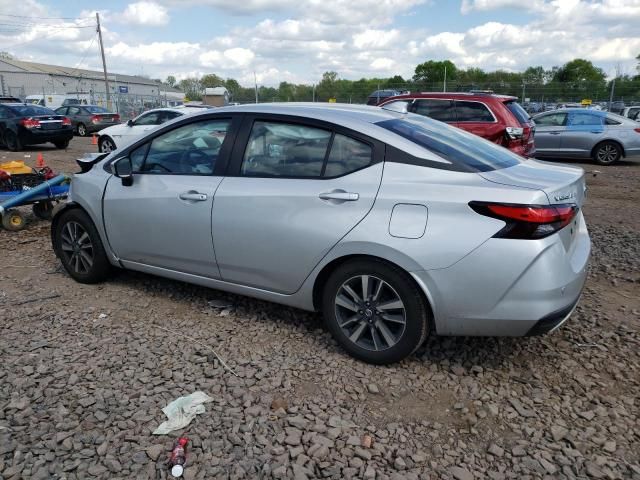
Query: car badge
x=564, y=196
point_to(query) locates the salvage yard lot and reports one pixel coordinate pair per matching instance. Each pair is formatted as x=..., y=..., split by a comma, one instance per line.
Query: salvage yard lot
x=86, y=371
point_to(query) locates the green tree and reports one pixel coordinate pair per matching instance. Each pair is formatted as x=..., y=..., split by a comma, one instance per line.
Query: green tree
x=171, y=81
x=433, y=71
x=211, y=80
x=6, y=56
x=579, y=71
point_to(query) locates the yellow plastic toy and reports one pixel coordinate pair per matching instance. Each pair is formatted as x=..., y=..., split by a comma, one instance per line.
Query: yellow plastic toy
x=15, y=167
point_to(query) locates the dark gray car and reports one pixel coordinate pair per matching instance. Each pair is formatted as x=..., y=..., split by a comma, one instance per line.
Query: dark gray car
x=87, y=119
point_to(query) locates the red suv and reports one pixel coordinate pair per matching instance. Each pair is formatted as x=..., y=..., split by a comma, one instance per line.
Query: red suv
x=498, y=118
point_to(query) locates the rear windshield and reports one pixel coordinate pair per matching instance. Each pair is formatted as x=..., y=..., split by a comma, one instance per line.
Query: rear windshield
x=32, y=110
x=93, y=109
x=467, y=152
x=518, y=112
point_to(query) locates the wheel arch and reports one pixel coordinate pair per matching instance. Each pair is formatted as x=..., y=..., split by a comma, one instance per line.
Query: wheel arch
x=326, y=271
x=609, y=140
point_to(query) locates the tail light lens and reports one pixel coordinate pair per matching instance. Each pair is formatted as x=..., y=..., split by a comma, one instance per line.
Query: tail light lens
x=96, y=118
x=116, y=118
x=636, y=130
x=527, y=222
x=514, y=133
x=66, y=121
x=30, y=123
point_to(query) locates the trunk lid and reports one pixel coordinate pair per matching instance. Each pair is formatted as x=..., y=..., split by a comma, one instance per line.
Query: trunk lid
x=562, y=184
x=49, y=122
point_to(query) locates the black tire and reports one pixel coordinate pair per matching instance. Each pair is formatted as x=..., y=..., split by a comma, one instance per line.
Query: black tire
x=43, y=210
x=607, y=153
x=408, y=336
x=61, y=145
x=81, y=129
x=106, y=145
x=12, y=141
x=71, y=257
x=13, y=220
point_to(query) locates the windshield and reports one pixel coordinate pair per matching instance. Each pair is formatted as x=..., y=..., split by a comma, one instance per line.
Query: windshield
x=467, y=152
x=32, y=110
x=93, y=109
x=518, y=112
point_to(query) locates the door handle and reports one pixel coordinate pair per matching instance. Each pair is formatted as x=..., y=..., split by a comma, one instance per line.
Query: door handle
x=193, y=196
x=554, y=133
x=340, y=195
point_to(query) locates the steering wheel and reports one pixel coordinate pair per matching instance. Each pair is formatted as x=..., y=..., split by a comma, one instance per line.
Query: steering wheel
x=151, y=166
x=186, y=163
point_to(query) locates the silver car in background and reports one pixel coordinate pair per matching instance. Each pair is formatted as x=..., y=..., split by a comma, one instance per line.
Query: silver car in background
x=581, y=133
x=393, y=225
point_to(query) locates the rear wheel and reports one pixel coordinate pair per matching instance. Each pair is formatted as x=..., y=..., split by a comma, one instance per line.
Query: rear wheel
x=79, y=247
x=12, y=141
x=81, y=129
x=61, y=144
x=375, y=311
x=106, y=145
x=13, y=220
x=607, y=153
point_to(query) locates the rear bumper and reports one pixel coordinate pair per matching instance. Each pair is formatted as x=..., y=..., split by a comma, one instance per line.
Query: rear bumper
x=510, y=287
x=96, y=127
x=35, y=137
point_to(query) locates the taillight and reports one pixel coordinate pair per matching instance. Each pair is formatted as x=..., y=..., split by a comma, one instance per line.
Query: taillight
x=116, y=118
x=30, y=123
x=96, y=118
x=636, y=130
x=66, y=121
x=527, y=222
x=514, y=133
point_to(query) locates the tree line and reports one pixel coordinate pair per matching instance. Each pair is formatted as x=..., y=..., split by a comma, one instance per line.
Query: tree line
x=575, y=80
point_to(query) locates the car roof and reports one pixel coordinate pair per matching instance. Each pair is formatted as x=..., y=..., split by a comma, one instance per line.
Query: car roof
x=454, y=95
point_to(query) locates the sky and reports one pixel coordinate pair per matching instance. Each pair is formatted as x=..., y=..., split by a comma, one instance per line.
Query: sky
x=297, y=40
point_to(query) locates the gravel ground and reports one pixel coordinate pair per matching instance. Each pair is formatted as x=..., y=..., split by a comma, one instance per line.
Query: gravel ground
x=86, y=371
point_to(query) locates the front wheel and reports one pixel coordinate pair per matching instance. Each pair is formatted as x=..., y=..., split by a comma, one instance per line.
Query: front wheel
x=375, y=311
x=607, y=153
x=78, y=246
x=106, y=145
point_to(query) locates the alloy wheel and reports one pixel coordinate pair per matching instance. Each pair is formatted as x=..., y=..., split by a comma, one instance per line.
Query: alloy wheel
x=607, y=153
x=82, y=130
x=76, y=247
x=370, y=312
x=107, y=146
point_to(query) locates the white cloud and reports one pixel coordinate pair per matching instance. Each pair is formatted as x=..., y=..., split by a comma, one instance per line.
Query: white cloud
x=239, y=57
x=145, y=13
x=376, y=39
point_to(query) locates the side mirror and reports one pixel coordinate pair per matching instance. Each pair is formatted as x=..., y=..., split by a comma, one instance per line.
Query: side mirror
x=130, y=123
x=122, y=169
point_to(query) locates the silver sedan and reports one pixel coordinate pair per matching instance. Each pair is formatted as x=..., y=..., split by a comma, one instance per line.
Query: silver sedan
x=393, y=225
x=580, y=133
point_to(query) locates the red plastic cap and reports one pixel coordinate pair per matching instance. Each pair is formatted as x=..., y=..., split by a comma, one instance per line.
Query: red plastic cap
x=182, y=441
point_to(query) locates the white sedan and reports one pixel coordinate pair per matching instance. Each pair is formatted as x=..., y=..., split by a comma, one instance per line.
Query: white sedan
x=118, y=135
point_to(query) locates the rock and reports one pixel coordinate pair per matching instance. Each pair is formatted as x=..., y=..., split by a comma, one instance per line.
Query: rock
x=518, y=451
x=87, y=401
x=609, y=446
x=367, y=441
x=558, y=432
x=373, y=388
x=140, y=457
x=399, y=463
x=298, y=422
x=154, y=451
x=363, y=454
x=113, y=465
x=102, y=449
x=96, y=470
x=460, y=473
x=523, y=412
x=369, y=473
x=587, y=415
x=548, y=466
x=495, y=450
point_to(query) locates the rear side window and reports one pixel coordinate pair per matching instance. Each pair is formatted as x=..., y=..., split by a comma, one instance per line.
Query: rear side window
x=520, y=113
x=473, y=112
x=32, y=110
x=441, y=110
x=552, y=120
x=611, y=121
x=585, y=120
x=465, y=151
x=347, y=155
x=94, y=109
x=285, y=150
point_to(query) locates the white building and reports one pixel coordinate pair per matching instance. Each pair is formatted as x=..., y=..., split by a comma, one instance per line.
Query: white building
x=129, y=94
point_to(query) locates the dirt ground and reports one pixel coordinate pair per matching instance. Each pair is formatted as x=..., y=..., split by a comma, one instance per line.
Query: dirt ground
x=85, y=371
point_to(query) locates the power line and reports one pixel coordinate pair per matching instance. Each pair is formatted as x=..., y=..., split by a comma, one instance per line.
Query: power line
x=24, y=25
x=45, y=18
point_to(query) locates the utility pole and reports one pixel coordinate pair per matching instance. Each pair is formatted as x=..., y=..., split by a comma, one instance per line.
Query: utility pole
x=104, y=63
x=255, y=82
x=613, y=86
x=523, y=85
x=313, y=93
x=444, y=87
